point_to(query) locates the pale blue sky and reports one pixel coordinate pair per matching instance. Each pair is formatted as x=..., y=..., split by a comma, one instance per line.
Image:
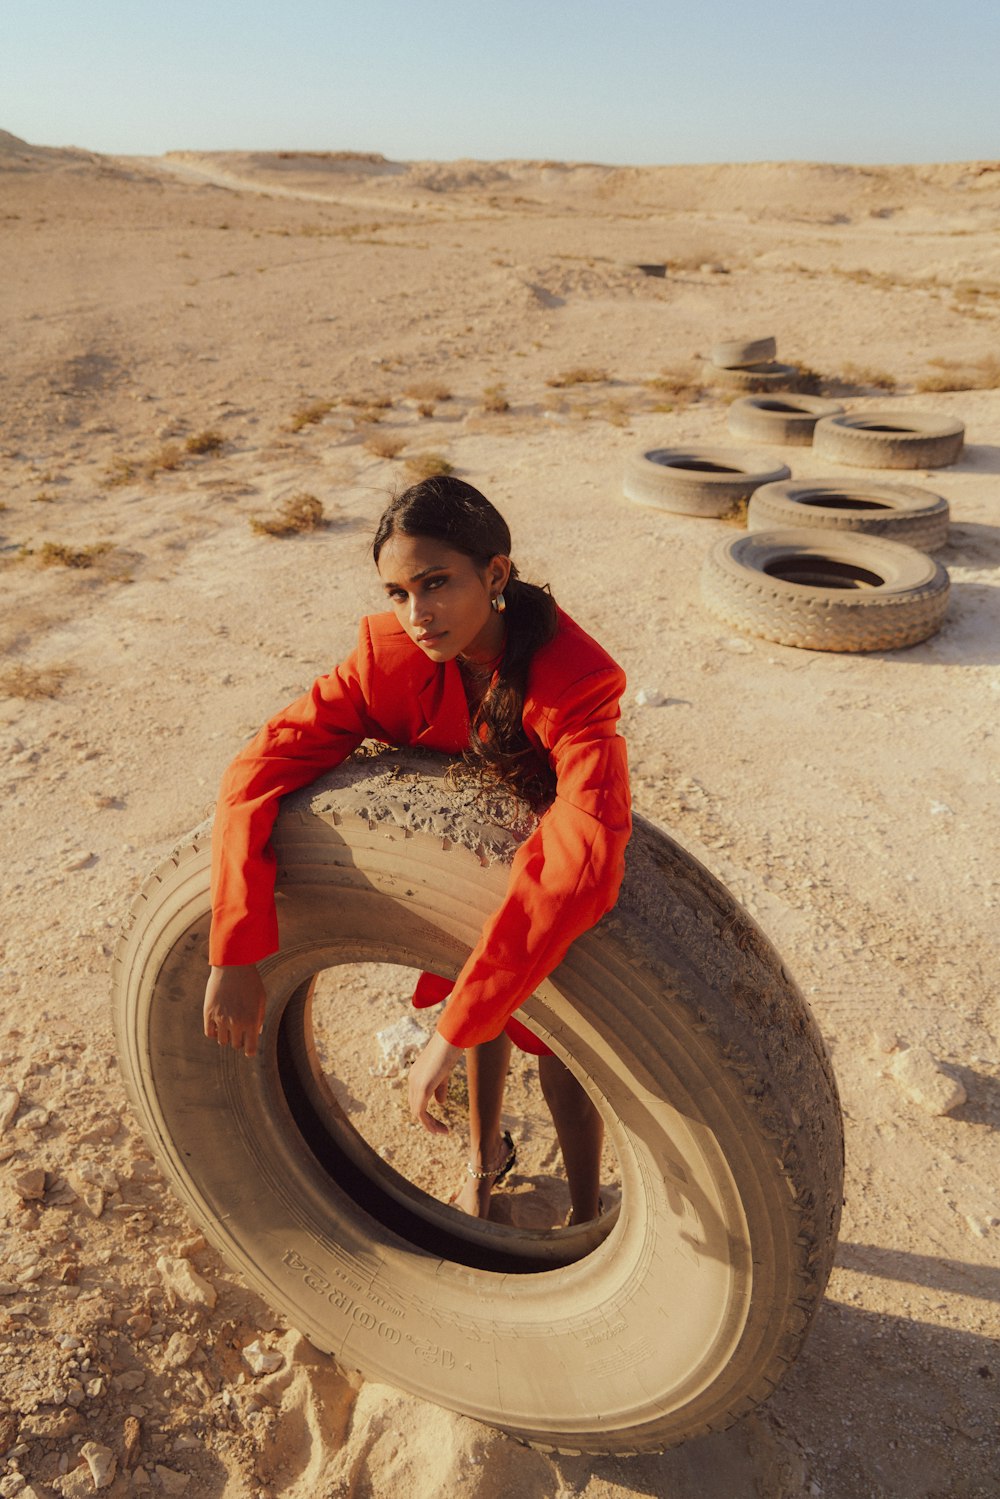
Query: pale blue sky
x=638, y=81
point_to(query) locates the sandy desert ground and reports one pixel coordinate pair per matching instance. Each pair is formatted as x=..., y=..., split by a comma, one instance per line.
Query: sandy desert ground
x=188, y=343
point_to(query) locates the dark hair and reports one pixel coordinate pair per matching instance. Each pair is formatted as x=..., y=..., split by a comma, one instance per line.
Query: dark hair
x=453, y=512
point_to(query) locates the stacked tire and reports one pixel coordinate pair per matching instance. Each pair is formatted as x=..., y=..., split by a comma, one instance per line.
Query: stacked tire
x=750, y=364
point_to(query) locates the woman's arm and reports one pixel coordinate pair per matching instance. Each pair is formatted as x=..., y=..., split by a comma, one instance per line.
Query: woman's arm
x=566, y=875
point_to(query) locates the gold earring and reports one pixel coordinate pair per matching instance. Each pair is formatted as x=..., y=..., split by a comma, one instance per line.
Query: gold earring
x=499, y=603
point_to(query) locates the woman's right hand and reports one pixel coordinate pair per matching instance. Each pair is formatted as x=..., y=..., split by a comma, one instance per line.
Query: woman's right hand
x=235, y=999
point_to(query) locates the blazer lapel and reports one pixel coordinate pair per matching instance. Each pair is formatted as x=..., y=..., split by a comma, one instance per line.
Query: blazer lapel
x=442, y=710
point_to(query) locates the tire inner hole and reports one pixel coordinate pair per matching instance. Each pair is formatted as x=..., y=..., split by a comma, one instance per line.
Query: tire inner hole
x=822, y=572
x=840, y=502
x=884, y=427
x=785, y=406
x=699, y=465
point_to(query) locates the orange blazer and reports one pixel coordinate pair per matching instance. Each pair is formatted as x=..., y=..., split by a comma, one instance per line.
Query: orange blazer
x=563, y=878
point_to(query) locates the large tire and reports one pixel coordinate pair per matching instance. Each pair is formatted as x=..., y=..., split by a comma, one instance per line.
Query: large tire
x=669, y=1317
x=757, y=377
x=695, y=481
x=737, y=353
x=890, y=439
x=899, y=512
x=788, y=419
x=825, y=592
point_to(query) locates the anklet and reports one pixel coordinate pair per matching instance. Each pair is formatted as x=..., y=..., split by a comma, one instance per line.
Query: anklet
x=500, y=1171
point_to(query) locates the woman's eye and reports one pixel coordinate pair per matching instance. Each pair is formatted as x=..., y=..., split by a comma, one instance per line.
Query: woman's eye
x=436, y=582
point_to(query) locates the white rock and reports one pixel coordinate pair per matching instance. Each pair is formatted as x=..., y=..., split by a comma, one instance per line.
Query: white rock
x=941, y=809
x=171, y=1481
x=649, y=697
x=35, y=1118
x=11, y=1485
x=10, y=1102
x=919, y=1075
x=101, y=1461
x=77, y=1484
x=183, y=1282
x=399, y=1044
x=181, y=1347
x=262, y=1360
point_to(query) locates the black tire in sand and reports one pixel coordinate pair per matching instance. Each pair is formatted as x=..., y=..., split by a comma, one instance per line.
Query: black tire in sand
x=787, y=420
x=890, y=439
x=825, y=591
x=671, y=1316
x=695, y=481
x=899, y=512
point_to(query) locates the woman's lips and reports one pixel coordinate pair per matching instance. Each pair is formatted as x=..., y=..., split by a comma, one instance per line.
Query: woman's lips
x=431, y=639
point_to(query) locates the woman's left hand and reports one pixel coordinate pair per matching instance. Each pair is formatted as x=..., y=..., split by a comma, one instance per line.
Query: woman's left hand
x=429, y=1081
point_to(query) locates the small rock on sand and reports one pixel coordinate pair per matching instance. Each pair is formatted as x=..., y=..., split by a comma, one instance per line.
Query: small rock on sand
x=184, y=1283
x=921, y=1078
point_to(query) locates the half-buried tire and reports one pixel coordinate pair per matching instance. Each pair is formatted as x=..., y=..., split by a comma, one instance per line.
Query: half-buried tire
x=668, y=1318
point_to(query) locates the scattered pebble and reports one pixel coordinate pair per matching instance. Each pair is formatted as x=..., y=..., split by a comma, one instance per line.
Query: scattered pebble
x=924, y=1082
x=30, y=1185
x=180, y=1349
x=649, y=697
x=171, y=1481
x=262, y=1360
x=10, y=1102
x=183, y=1283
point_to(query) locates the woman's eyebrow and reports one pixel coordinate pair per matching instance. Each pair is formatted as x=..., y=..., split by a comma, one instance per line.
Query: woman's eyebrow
x=416, y=577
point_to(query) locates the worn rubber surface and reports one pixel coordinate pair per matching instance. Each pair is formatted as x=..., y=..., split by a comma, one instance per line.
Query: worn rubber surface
x=899, y=512
x=879, y=594
x=670, y=1317
x=787, y=420
x=890, y=439
x=736, y=353
x=752, y=377
x=695, y=481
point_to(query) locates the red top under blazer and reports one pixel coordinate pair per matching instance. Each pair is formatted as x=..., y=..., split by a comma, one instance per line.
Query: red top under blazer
x=564, y=877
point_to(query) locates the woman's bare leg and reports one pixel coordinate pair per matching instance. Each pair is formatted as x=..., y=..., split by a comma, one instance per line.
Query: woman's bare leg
x=486, y=1069
x=580, y=1131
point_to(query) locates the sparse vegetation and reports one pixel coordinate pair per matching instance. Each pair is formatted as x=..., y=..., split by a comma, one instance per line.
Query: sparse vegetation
x=862, y=375
x=384, y=444
x=58, y=554
x=428, y=465
x=43, y=498
x=32, y=681
x=164, y=460
x=308, y=416
x=579, y=375
x=119, y=471
x=681, y=385
x=428, y=390
x=495, y=399
x=953, y=374
x=209, y=441
x=300, y=512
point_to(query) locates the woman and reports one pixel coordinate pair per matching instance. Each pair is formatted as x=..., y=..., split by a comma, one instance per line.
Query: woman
x=471, y=660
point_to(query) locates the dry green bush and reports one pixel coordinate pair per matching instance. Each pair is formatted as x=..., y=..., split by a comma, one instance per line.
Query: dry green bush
x=954, y=374
x=428, y=465
x=579, y=375
x=32, y=681
x=308, y=416
x=384, y=444
x=58, y=554
x=300, y=512
x=208, y=441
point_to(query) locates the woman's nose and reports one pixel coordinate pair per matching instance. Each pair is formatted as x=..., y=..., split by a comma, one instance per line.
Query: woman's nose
x=418, y=609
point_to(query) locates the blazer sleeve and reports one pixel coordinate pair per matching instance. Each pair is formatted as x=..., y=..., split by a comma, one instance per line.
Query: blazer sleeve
x=310, y=736
x=566, y=875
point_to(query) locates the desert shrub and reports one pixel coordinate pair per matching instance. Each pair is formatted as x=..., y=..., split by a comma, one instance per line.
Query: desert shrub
x=428, y=390
x=384, y=444
x=32, y=681
x=953, y=374
x=428, y=465
x=43, y=497
x=864, y=375
x=164, y=460
x=208, y=441
x=58, y=554
x=300, y=512
x=579, y=375
x=495, y=399
x=308, y=416
x=119, y=471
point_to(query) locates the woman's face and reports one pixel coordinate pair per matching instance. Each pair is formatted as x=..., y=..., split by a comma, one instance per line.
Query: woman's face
x=442, y=599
